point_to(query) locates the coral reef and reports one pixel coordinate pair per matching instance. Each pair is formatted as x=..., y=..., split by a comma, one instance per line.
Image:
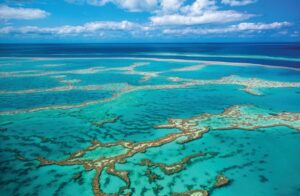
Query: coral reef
x=175, y=167
x=192, y=193
x=236, y=117
x=221, y=180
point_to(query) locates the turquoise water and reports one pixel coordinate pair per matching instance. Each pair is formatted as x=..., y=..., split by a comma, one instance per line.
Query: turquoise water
x=61, y=105
x=22, y=83
x=212, y=72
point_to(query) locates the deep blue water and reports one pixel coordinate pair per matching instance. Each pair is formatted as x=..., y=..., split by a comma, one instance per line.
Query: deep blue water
x=287, y=50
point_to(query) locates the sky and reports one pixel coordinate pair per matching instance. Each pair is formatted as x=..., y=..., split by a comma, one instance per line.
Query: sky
x=125, y=21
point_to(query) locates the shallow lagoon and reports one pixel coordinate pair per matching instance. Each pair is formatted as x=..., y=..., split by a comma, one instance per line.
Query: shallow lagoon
x=55, y=124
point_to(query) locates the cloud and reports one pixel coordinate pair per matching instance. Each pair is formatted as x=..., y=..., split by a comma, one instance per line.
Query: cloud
x=110, y=27
x=198, y=7
x=7, y=13
x=261, y=26
x=238, y=2
x=157, y=6
x=295, y=34
x=205, y=18
x=136, y=5
x=170, y=6
x=87, y=28
x=176, y=12
x=198, y=12
x=242, y=27
x=168, y=17
x=130, y=5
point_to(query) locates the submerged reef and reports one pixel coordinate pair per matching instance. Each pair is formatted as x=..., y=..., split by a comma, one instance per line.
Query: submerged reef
x=192, y=193
x=245, y=117
x=175, y=167
x=221, y=180
x=102, y=123
x=137, y=126
x=249, y=85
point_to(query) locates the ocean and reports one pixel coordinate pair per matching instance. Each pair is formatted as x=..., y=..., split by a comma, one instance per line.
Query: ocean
x=220, y=119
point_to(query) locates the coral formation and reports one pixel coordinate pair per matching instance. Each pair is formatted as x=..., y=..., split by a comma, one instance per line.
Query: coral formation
x=236, y=117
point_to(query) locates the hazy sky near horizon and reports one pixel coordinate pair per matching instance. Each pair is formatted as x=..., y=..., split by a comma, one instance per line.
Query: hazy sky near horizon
x=149, y=20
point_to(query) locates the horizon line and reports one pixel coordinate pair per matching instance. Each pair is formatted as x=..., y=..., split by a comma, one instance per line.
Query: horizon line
x=238, y=42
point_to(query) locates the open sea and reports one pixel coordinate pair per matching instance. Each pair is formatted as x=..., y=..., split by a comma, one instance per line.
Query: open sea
x=220, y=119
